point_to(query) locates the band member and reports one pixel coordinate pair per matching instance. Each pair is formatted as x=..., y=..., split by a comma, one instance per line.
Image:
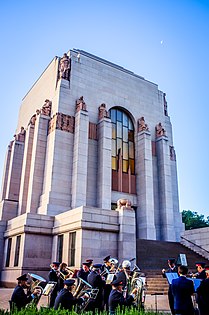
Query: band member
x=171, y=268
x=96, y=281
x=203, y=294
x=200, y=266
x=182, y=289
x=106, y=265
x=19, y=299
x=124, y=274
x=54, y=276
x=64, y=274
x=116, y=297
x=84, y=271
x=65, y=298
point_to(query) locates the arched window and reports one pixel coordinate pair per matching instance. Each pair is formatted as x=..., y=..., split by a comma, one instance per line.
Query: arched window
x=123, y=153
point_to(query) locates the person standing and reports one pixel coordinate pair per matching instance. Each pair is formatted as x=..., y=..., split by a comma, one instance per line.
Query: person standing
x=172, y=268
x=182, y=289
x=84, y=271
x=54, y=277
x=200, y=266
x=19, y=298
x=203, y=294
x=96, y=281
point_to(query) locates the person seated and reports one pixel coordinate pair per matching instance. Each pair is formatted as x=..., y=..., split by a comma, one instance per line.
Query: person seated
x=65, y=298
x=201, y=274
x=117, y=298
x=19, y=298
x=84, y=271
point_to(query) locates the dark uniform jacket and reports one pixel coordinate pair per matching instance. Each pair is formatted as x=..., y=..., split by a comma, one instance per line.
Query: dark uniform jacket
x=121, y=276
x=53, y=277
x=83, y=274
x=116, y=299
x=170, y=295
x=19, y=298
x=95, y=280
x=182, y=289
x=201, y=275
x=203, y=297
x=66, y=300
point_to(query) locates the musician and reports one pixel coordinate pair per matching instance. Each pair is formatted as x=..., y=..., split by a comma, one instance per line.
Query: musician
x=54, y=276
x=124, y=274
x=203, y=294
x=171, y=268
x=106, y=266
x=65, y=298
x=182, y=289
x=96, y=281
x=201, y=274
x=116, y=297
x=64, y=274
x=19, y=298
x=84, y=271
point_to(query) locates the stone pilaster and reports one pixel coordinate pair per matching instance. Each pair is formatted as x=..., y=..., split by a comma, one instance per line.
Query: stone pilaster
x=104, y=163
x=145, y=216
x=127, y=234
x=6, y=171
x=11, y=188
x=26, y=169
x=80, y=159
x=165, y=189
x=36, y=178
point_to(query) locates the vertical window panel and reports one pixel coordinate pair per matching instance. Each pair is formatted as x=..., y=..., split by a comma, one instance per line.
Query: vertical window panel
x=60, y=248
x=119, y=116
x=130, y=125
x=125, y=120
x=125, y=134
x=119, y=146
x=131, y=163
x=113, y=147
x=17, y=251
x=131, y=136
x=114, y=163
x=125, y=166
x=131, y=150
x=9, y=246
x=119, y=130
x=125, y=150
x=72, y=240
x=114, y=131
x=113, y=115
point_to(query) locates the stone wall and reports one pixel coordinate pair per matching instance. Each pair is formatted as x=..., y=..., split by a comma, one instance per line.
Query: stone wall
x=200, y=238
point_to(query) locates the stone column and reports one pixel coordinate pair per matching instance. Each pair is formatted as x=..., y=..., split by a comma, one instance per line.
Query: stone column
x=80, y=159
x=26, y=169
x=165, y=189
x=6, y=171
x=145, y=216
x=36, y=178
x=8, y=206
x=104, y=129
x=127, y=233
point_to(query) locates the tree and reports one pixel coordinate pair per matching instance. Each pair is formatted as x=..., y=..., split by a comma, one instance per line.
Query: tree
x=193, y=220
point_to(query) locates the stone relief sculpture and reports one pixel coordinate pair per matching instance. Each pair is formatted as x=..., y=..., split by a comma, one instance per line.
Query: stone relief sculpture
x=64, y=67
x=62, y=122
x=172, y=153
x=160, y=131
x=32, y=120
x=165, y=105
x=141, y=125
x=21, y=135
x=103, y=113
x=46, y=108
x=124, y=204
x=80, y=104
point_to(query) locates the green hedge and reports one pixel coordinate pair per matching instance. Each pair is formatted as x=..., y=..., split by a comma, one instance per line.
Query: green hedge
x=50, y=311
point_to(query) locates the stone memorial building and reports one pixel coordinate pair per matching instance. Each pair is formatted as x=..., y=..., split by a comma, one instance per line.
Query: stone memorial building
x=91, y=169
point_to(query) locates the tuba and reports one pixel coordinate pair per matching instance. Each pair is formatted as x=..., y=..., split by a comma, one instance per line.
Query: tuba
x=85, y=288
x=34, y=283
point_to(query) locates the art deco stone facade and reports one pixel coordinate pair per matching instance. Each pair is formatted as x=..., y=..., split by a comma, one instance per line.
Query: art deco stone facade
x=89, y=133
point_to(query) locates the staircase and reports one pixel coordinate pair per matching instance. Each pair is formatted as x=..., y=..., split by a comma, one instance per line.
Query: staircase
x=152, y=257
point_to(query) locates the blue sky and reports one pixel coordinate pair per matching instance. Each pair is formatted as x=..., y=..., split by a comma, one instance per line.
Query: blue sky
x=164, y=41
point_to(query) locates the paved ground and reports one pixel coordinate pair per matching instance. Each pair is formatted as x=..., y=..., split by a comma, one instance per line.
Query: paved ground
x=152, y=302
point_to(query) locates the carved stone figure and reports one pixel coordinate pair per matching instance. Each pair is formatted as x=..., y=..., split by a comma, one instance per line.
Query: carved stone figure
x=62, y=122
x=46, y=108
x=165, y=105
x=21, y=135
x=172, y=153
x=103, y=113
x=160, y=131
x=80, y=104
x=124, y=203
x=32, y=120
x=141, y=125
x=64, y=67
